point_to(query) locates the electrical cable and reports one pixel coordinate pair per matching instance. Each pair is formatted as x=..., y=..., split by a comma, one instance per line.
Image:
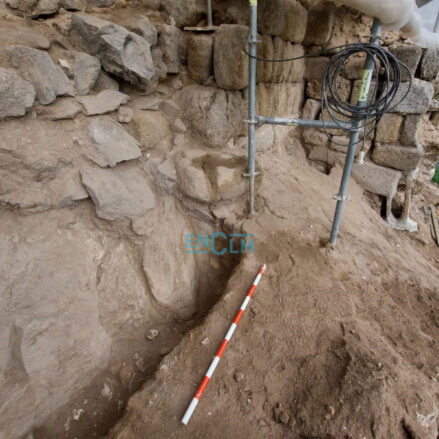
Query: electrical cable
x=387, y=72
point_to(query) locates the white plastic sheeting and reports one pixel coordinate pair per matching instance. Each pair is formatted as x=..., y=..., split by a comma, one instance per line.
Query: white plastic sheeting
x=398, y=14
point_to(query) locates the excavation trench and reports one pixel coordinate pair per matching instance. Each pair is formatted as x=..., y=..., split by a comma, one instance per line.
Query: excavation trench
x=96, y=408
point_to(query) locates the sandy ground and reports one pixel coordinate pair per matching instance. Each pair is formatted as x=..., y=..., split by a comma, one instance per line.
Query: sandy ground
x=336, y=343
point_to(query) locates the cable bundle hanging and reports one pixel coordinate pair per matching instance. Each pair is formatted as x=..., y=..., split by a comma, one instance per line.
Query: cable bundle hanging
x=369, y=109
x=366, y=113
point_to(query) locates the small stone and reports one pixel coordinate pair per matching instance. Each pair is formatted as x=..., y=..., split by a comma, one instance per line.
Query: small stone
x=125, y=114
x=205, y=341
x=327, y=416
x=178, y=126
x=106, y=101
x=179, y=141
x=177, y=84
x=170, y=108
x=152, y=334
x=239, y=376
x=140, y=364
x=262, y=423
x=330, y=409
x=284, y=418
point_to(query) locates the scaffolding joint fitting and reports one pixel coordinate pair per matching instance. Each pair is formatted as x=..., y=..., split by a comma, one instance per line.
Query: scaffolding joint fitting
x=339, y=197
x=255, y=174
x=251, y=122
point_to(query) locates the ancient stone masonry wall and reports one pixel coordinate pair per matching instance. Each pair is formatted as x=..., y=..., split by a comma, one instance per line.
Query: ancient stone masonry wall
x=121, y=132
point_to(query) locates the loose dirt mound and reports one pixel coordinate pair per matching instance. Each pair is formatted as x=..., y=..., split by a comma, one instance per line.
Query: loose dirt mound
x=335, y=344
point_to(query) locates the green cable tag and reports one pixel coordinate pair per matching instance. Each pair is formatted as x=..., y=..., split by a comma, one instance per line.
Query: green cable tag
x=253, y=2
x=365, y=85
x=291, y=124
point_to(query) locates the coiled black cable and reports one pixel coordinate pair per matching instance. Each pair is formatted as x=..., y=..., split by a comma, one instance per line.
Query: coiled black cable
x=381, y=96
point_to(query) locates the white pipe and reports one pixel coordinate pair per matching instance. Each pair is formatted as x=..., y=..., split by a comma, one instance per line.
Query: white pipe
x=397, y=14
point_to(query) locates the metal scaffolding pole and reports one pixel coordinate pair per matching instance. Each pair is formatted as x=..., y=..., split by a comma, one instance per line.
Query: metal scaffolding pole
x=341, y=197
x=252, y=103
x=209, y=13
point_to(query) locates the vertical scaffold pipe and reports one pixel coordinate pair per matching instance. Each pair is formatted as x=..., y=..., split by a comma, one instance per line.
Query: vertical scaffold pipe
x=341, y=197
x=209, y=13
x=252, y=102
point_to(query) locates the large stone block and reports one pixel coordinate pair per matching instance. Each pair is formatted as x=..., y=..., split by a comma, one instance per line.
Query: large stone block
x=408, y=54
x=388, y=128
x=430, y=64
x=265, y=50
x=398, y=157
x=214, y=115
x=272, y=16
x=315, y=67
x=122, y=53
x=410, y=130
x=16, y=95
x=376, y=179
x=296, y=20
x=320, y=23
x=200, y=57
x=185, y=12
x=418, y=99
x=230, y=62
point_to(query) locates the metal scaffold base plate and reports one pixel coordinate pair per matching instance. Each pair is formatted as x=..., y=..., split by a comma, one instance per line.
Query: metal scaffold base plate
x=201, y=28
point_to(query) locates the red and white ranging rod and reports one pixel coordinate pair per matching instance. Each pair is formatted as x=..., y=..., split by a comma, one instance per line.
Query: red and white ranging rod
x=190, y=410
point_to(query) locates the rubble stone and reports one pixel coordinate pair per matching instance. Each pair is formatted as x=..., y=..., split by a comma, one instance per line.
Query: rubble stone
x=118, y=193
x=122, y=53
x=151, y=126
x=38, y=68
x=64, y=108
x=311, y=109
x=16, y=95
x=192, y=181
x=73, y=5
x=141, y=25
x=86, y=72
x=34, y=8
x=169, y=43
x=125, y=114
x=106, y=101
x=111, y=143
